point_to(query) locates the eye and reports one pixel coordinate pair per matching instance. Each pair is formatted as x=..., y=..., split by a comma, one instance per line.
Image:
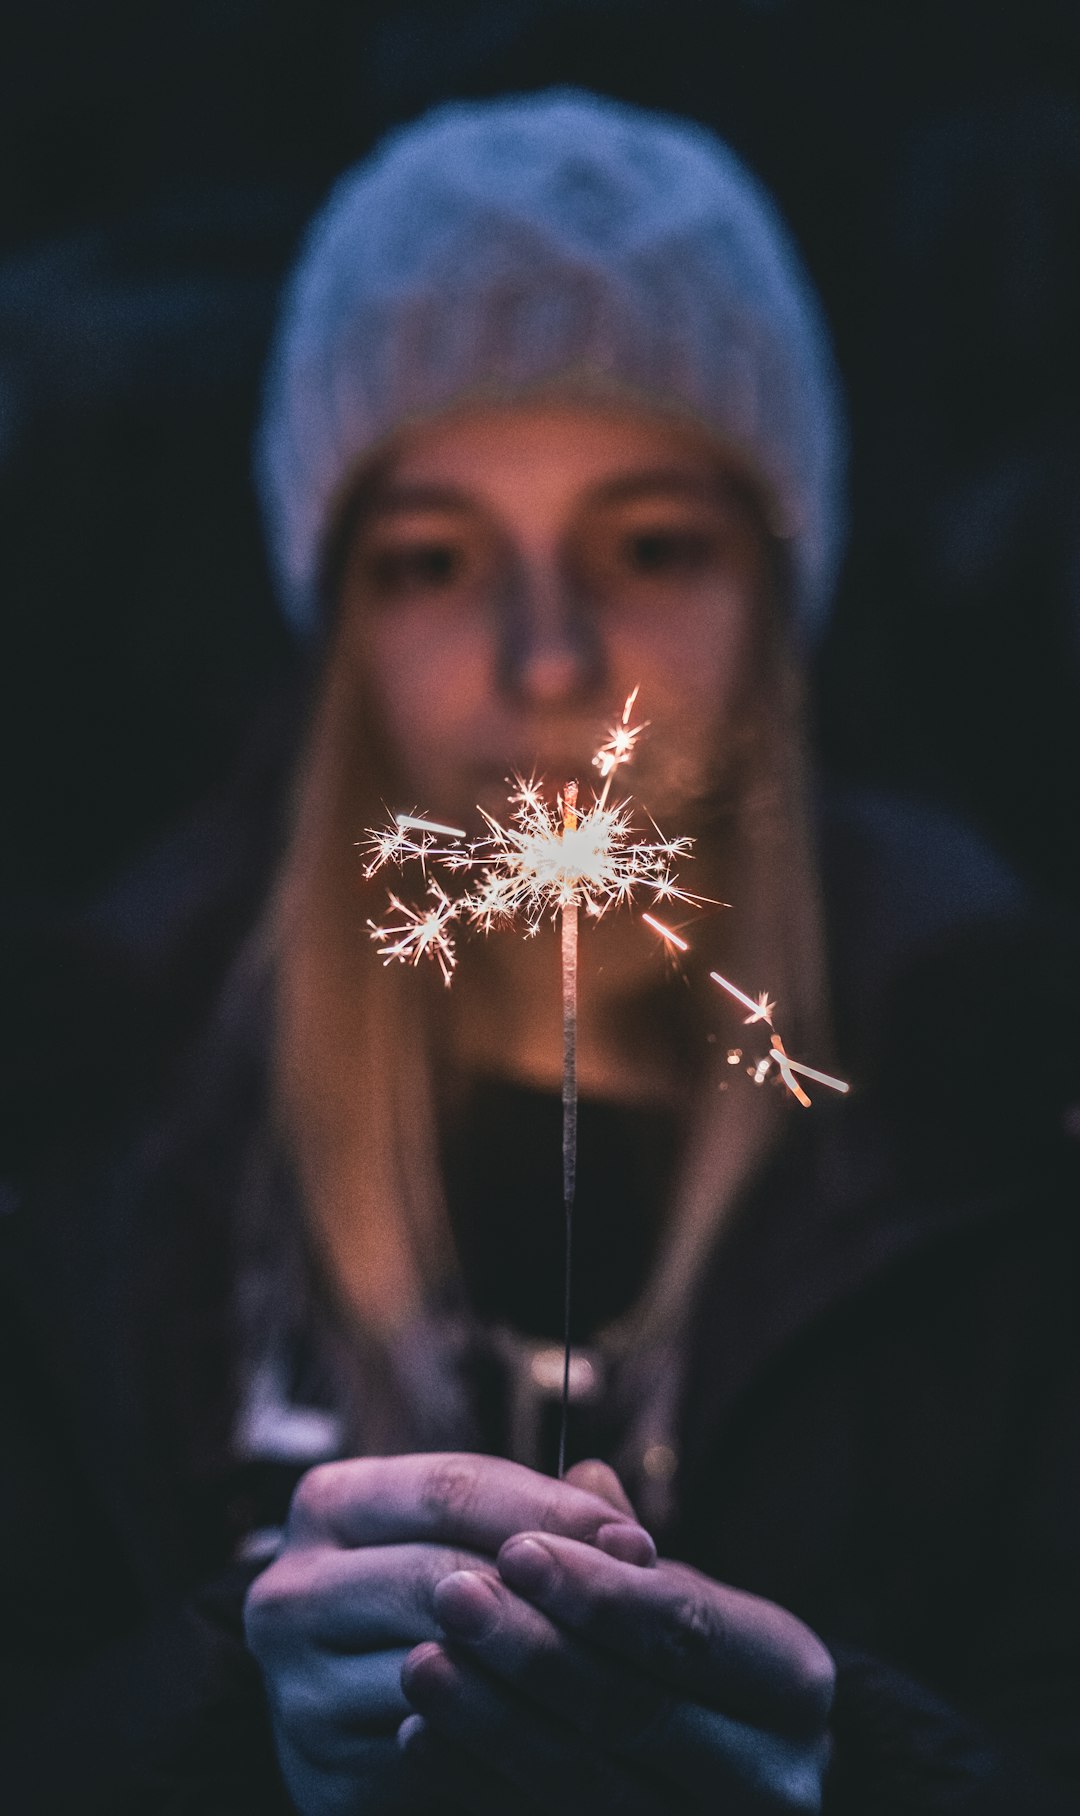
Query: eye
x=416, y=567
x=662, y=552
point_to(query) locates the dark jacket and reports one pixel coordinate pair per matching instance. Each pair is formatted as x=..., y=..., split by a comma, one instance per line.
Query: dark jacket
x=881, y=1429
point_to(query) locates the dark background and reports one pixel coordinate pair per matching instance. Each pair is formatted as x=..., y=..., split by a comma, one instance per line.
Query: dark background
x=156, y=167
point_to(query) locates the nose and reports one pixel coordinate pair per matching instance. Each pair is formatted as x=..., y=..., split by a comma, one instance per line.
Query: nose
x=550, y=653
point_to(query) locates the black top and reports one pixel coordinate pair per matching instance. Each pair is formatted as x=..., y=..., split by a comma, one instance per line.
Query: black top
x=503, y=1168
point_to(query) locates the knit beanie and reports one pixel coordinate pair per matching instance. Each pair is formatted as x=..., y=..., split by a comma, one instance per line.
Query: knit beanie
x=502, y=249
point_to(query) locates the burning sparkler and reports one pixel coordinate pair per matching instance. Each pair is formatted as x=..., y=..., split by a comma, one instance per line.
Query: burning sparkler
x=543, y=861
x=551, y=861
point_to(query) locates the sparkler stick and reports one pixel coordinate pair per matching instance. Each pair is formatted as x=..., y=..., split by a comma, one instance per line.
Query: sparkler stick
x=542, y=862
x=569, y=951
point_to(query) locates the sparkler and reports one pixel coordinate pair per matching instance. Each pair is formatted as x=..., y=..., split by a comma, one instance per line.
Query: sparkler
x=542, y=862
x=552, y=862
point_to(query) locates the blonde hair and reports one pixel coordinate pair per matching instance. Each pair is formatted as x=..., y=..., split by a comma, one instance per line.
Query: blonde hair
x=354, y=1043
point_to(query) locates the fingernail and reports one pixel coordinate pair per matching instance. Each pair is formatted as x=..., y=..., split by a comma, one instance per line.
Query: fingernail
x=629, y=1544
x=423, y=1669
x=527, y=1565
x=466, y=1604
x=410, y=1729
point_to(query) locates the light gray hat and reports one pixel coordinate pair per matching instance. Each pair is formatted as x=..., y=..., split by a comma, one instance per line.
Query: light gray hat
x=495, y=249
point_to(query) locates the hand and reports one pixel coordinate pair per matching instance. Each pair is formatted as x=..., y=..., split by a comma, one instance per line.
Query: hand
x=575, y=1684
x=352, y=1590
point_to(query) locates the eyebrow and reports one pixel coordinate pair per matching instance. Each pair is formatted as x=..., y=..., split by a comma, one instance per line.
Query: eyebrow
x=397, y=500
x=663, y=482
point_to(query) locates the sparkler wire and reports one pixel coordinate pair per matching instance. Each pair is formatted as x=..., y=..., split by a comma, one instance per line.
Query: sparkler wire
x=568, y=941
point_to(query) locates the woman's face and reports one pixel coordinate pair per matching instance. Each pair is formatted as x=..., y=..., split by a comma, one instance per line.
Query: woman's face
x=519, y=570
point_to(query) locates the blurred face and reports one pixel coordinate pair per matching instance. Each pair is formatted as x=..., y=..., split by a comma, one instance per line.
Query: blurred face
x=519, y=570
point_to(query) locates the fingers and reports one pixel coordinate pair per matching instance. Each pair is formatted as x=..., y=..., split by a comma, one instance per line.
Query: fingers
x=630, y=1543
x=600, y=1479
x=349, y=1601
x=743, y=1656
x=522, y=1647
x=621, y=1710
x=545, y=1759
x=449, y=1499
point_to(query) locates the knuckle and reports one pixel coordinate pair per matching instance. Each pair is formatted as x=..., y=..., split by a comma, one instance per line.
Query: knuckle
x=450, y=1490
x=691, y=1636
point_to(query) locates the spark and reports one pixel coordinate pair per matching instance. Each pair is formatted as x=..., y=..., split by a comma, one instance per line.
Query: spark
x=419, y=933
x=788, y=1067
x=760, y=1010
x=409, y=823
x=618, y=747
x=666, y=933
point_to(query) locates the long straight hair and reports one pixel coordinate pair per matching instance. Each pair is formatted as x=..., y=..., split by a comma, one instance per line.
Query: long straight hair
x=353, y=1053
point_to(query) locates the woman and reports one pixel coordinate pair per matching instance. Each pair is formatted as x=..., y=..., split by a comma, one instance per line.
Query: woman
x=552, y=417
